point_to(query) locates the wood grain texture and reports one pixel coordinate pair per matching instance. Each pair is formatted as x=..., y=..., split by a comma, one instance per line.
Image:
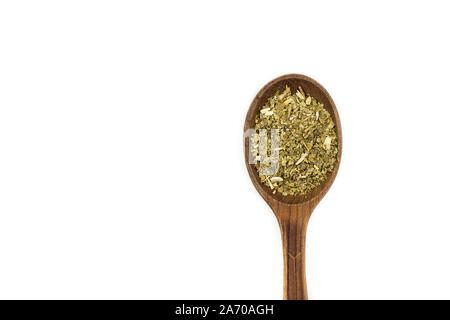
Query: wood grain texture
x=292, y=212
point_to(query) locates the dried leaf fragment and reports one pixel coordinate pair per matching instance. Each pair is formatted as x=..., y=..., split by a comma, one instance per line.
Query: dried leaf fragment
x=327, y=143
x=308, y=100
x=301, y=158
x=298, y=93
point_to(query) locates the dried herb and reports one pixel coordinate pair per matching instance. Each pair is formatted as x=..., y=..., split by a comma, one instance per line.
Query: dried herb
x=307, y=147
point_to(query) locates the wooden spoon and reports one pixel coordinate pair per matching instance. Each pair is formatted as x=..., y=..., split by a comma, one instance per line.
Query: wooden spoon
x=292, y=212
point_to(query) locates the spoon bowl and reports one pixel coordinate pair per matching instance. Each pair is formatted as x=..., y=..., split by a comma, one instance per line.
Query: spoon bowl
x=292, y=212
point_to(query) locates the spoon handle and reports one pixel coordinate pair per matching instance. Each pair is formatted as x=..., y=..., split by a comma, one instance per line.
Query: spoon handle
x=293, y=222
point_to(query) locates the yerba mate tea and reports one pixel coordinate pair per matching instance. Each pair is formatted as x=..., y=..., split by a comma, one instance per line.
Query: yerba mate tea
x=296, y=132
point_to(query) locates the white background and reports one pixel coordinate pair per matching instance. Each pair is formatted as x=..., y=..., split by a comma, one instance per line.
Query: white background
x=121, y=158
